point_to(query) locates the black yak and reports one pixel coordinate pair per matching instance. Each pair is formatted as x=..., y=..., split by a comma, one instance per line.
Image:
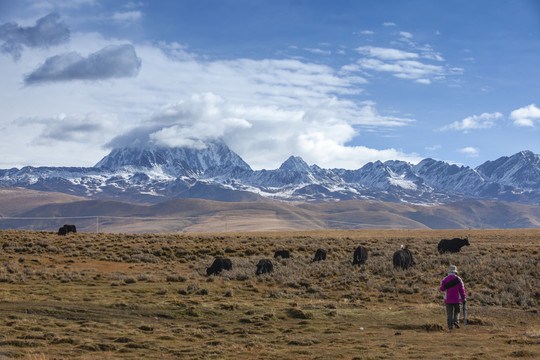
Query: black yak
x=282, y=253
x=71, y=228
x=67, y=229
x=320, y=254
x=403, y=258
x=360, y=255
x=264, y=266
x=218, y=266
x=452, y=246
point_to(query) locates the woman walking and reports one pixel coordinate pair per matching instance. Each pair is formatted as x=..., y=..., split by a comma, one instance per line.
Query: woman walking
x=454, y=296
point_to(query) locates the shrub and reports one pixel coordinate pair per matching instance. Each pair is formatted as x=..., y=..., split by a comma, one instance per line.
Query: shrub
x=176, y=278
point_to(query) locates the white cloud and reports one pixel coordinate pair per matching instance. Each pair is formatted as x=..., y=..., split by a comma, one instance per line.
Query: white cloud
x=318, y=51
x=49, y=5
x=406, y=35
x=469, y=151
x=385, y=53
x=525, y=116
x=405, y=69
x=427, y=52
x=474, y=122
x=203, y=117
x=266, y=135
x=265, y=110
x=389, y=24
x=127, y=17
x=411, y=64
x=368, y=115
x=89, y=128
x=423, y=81
x=433, y=148
x=331, y=154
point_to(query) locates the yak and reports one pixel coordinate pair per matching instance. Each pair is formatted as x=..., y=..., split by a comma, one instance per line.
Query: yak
x=403, y=258
x=218, y=266
x=282, y=253
x=64, y=230
x=320, y=254
x=360, y=255
x=264, y=266
x=454, y=245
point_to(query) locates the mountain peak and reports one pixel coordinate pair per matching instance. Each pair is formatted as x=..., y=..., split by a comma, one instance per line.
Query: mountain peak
x=176, y=161
x=295, y=163
x=522, y=169
x=155, y=173
x=528, y=155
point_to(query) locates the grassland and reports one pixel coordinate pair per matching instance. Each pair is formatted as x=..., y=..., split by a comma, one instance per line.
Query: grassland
x=127, y=296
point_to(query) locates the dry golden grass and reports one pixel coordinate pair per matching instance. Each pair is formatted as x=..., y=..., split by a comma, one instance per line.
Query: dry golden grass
x=126, y=296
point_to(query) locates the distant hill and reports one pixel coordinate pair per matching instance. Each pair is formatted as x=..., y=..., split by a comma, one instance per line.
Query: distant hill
x=15, y=201
x=480, y=214
x=48, y=211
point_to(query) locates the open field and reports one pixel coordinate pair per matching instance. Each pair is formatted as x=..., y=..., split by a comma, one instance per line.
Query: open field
x=127, y=296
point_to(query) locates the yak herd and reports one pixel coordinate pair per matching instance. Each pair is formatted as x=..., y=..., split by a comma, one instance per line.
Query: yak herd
x=402, y=258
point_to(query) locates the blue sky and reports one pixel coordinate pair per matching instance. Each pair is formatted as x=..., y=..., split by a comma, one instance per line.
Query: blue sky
x=339, y=83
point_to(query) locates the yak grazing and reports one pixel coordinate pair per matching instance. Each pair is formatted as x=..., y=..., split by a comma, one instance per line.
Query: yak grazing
x=264, y=266
x=360, y=255
x=454, y=245
x=67, y=229
x=320, y=254
x=282, y=253
x=403, y=258
x=218, y=266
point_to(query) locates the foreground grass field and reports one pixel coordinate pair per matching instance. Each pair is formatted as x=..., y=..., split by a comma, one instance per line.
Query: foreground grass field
x=122, y=296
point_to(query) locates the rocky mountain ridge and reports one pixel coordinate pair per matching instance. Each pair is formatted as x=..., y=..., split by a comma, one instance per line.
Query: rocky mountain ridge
x=155, y=174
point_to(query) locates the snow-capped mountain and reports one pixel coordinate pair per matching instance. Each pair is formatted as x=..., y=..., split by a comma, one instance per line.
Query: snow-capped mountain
x=294, y=172
x=154, y=174
x=521, y=170
x=175, y=162
x=448, y=177
x=384, y=176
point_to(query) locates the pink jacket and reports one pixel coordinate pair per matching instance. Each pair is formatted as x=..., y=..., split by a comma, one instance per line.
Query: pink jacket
x=455, y=294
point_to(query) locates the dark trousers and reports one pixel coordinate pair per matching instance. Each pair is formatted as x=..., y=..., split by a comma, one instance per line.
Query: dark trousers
x=452, y=314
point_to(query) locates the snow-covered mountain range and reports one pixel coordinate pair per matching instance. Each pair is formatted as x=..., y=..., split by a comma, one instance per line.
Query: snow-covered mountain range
x=155, y=174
